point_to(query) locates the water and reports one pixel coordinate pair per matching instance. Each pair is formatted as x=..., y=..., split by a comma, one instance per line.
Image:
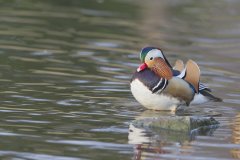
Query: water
x=65, y=67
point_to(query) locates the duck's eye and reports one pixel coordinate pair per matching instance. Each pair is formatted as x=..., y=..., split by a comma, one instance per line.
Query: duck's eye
x=151, y=58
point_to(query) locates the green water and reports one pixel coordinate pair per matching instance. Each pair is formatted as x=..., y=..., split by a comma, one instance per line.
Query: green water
x=65, y=67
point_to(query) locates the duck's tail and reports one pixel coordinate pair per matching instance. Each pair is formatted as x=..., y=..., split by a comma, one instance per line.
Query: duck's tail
x=206, y=92
x=208, y=95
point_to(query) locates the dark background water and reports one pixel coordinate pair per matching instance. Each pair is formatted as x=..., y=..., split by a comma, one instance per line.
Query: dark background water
x=65, y=67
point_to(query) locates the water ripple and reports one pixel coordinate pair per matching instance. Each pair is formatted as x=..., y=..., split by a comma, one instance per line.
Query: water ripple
x=36, y=156
x=93, y=144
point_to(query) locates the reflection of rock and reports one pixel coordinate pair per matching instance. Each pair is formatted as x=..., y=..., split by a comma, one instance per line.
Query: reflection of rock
x=153, y=130
x=236, y=136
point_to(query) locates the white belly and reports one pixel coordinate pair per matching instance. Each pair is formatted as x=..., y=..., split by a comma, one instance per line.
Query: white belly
x=152, y=101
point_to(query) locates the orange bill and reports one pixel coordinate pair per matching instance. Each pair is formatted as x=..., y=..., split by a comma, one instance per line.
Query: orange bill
x=161, y=68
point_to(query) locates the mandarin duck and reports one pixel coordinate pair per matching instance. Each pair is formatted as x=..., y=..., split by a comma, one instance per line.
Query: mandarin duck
x=159, y=86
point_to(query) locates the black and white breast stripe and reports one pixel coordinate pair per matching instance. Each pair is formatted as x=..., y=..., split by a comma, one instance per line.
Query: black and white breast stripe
x=153, y=82
x=160, y=86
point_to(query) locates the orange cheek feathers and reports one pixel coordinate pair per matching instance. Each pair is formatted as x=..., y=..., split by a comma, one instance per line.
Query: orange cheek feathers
x=161, y=68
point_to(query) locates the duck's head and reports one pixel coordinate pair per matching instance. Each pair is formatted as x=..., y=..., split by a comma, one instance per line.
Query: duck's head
x=154, y=59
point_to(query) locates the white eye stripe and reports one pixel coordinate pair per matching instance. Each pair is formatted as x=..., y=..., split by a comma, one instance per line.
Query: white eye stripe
x=154, y=53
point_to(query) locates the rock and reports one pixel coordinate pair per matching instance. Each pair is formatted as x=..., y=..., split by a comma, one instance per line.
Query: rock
x=169, y=127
